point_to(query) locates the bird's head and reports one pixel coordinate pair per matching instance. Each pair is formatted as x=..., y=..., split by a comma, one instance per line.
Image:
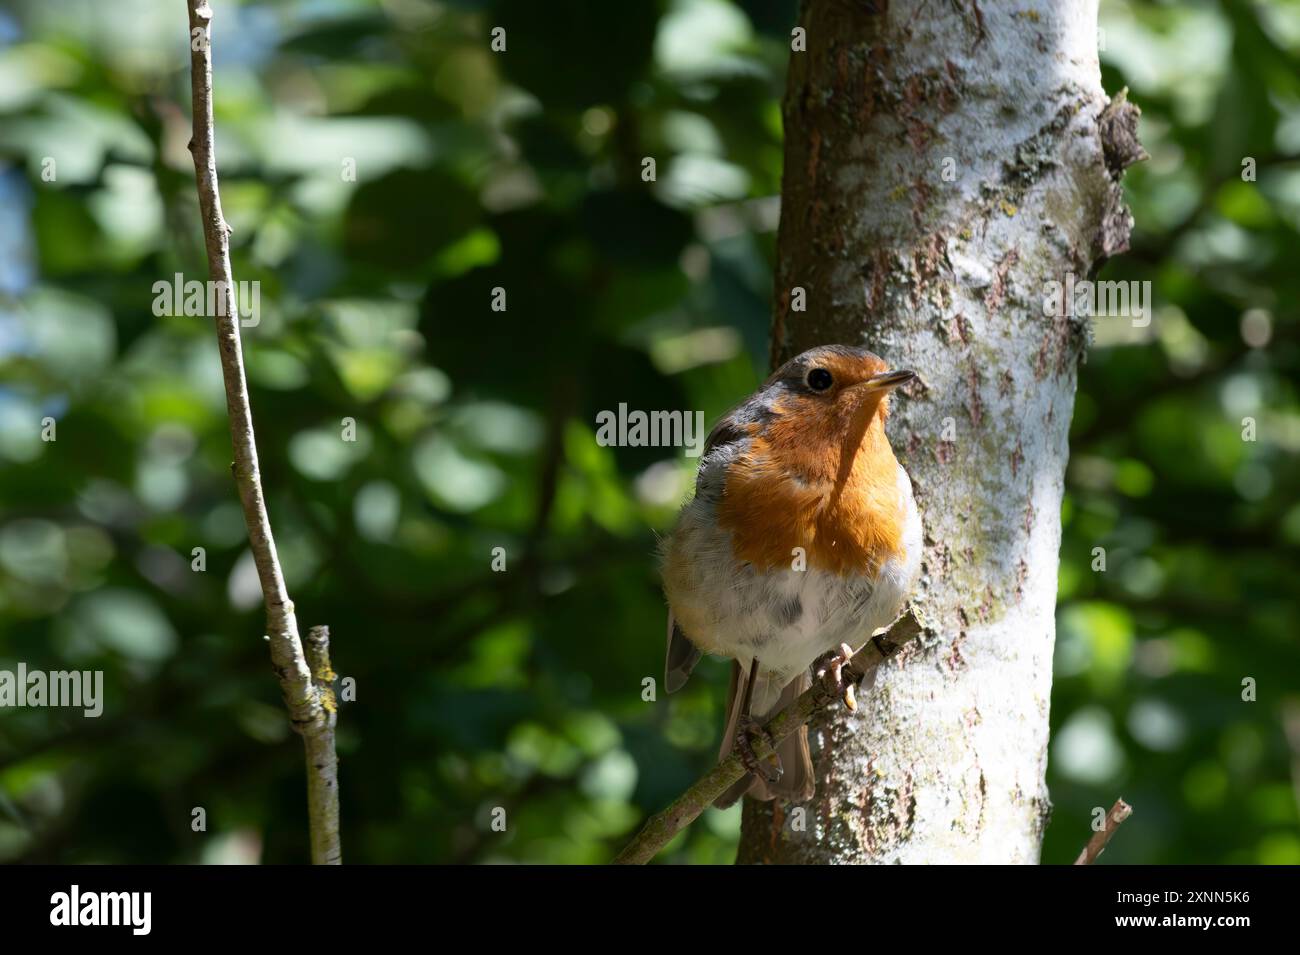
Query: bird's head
x=835, y=391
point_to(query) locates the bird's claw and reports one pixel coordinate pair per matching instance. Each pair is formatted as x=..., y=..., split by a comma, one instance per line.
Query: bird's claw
x=837, y=677
x=747, y=731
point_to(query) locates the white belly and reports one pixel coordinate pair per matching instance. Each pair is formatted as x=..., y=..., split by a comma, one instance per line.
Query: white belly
x=786, y=617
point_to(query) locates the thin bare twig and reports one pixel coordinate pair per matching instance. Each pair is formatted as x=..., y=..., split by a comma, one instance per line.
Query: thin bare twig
x=660, y=829
x=1118, y=813
x=322, y=760
x=308, y=700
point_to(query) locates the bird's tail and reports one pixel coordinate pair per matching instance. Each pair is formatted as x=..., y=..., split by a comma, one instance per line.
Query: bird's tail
x=768, y=699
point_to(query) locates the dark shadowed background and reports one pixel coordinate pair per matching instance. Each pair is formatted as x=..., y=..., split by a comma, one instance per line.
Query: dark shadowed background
x=475, y=429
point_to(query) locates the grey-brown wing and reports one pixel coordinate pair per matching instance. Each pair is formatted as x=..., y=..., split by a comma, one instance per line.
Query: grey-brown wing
x=681, y=658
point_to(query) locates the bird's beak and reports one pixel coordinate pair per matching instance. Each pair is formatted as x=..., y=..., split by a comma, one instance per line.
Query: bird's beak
x=886, y=381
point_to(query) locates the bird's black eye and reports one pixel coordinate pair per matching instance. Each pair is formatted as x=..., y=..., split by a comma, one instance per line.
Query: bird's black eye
x=819, y=379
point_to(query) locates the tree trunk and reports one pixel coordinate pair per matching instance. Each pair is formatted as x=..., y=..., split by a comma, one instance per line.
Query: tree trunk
x=945, y=162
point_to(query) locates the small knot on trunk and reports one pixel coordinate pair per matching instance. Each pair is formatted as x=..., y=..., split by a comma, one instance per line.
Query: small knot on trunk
x=1119, y=140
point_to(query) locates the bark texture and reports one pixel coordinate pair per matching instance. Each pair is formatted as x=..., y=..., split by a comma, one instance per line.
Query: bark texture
x=945, y=162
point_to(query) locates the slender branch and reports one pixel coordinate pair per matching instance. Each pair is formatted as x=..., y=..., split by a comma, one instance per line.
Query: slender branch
x=1118, y=813
x=322, y=760
x=308, y=710
x=660, y=829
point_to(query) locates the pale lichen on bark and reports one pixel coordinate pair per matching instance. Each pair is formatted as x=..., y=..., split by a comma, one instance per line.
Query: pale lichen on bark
x=947, y=275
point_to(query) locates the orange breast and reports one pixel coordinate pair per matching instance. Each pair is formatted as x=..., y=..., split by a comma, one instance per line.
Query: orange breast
x=802, y=485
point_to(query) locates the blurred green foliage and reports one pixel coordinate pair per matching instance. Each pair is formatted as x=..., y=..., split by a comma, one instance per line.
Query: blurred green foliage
x=521, y=170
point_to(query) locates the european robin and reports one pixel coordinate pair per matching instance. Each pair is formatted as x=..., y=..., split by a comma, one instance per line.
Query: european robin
x=802, y=539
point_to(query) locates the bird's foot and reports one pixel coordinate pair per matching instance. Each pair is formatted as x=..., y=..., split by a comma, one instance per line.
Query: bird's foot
x=748, y=731
x=837, y=676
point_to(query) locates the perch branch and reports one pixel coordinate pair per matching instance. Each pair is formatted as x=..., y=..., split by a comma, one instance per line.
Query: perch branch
x=1118, y=813
x=660, y=829
x=322, y=760
x=310, y=709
